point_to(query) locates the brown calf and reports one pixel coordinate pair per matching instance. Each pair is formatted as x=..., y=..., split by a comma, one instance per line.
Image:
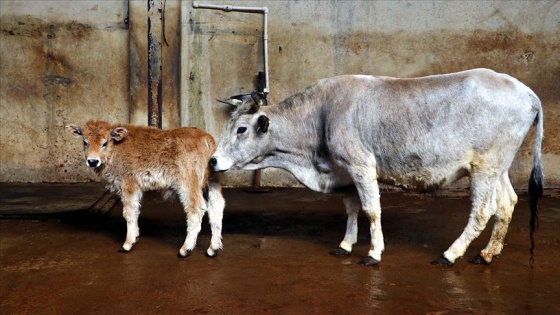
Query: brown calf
x=134, y=159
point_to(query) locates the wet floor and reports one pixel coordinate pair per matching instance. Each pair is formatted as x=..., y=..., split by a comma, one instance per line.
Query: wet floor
x=275, y=260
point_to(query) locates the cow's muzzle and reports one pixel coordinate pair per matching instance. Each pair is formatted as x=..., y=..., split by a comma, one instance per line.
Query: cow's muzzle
x=213, y=162
x=218, y=166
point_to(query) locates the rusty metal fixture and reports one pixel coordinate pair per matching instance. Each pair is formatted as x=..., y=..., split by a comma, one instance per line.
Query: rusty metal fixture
x=155, y=36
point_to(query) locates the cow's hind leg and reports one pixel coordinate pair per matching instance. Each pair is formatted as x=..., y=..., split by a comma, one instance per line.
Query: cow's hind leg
x=352, y=205
x=194, y=205
x=131, y=197
x=483, y=191
x=506, y=200
x=216, y=204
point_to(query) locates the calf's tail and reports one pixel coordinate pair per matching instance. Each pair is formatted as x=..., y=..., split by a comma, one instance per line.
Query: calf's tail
x=536, y=181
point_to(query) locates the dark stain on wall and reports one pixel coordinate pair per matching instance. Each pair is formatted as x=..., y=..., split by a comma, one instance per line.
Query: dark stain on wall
x=531, y=58
x=54, y=73
x=28, y=26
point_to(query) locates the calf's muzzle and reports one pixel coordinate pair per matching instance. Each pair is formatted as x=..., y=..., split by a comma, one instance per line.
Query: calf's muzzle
x=93, y=162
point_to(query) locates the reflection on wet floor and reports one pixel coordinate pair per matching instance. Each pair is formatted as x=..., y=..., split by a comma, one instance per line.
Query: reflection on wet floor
x=275, y=260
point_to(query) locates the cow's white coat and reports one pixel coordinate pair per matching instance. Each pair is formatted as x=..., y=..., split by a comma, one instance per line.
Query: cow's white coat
x=420, y=133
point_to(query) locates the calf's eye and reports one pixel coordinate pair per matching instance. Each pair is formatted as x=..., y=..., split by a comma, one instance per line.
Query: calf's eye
x=241, y=130
x=104, y=144
x=85, y=144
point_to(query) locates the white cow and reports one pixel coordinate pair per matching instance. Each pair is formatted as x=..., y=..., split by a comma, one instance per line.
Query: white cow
x=420, y=133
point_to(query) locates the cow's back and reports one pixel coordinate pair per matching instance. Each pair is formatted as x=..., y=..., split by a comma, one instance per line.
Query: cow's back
x=423, y=131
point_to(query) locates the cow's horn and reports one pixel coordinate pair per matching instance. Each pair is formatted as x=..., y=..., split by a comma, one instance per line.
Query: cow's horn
x=230, y=101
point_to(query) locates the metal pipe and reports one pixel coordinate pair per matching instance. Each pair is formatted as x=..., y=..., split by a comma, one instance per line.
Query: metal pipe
x=265, y=47
x=228, y=8
x=263, y=10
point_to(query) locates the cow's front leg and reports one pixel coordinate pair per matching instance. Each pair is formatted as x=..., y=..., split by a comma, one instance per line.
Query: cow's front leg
x=372, y=207
x=131, y=197
x=216, y=204
x=352, y=205
x=365, y=178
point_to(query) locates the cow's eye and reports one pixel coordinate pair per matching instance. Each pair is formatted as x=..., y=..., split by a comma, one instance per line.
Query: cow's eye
x=241, y=130
x=104, y=144
x=85, y=144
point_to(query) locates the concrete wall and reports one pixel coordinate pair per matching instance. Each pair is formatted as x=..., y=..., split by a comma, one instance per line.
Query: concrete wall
x=61, y=62
x=68, y=61
x=309, y=40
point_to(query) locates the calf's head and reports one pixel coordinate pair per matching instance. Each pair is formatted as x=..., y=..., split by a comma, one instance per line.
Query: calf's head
x=98, y=138
x=246, y=139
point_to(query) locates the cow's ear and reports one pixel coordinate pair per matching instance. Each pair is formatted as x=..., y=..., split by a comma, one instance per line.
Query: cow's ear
x=245, y=103
x=119, y=133
x=249, y=106
x=262, y=123
x=75, y=130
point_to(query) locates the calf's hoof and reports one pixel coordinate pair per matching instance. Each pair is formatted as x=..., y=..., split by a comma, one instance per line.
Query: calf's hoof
x=122, y=250
x=212, y=253
x=185, y=255
x=339, y=252
x=442, y=261
x=478, y=260
x=369, y=261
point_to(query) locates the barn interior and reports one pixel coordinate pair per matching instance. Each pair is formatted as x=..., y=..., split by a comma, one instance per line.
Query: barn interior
x=164, y=63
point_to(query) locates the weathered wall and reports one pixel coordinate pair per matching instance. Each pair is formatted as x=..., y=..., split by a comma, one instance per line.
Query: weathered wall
x=61, y=62
x=67, y=61
x=312, y=39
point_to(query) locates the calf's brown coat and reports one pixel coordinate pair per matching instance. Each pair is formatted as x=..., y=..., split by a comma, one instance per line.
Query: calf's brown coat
x=134, y=159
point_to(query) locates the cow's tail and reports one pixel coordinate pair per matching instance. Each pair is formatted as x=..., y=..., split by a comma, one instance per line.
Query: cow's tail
x=536, y=179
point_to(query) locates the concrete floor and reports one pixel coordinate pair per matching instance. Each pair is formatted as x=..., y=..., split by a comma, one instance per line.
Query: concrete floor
x=275, y=258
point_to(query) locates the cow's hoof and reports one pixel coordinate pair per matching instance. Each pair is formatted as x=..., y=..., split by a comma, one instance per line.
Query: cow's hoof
x=187, y=253
x=122, y=250
x=369, y=261
x=339, y=252
x=478, y=260
x=442, y=261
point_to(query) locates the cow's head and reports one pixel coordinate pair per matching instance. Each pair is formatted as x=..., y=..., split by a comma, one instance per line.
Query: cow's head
x=98, y=138
x=246, y=139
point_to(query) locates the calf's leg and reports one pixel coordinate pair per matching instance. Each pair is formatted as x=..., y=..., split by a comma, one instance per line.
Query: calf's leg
x=131, y=197
x=194, y=205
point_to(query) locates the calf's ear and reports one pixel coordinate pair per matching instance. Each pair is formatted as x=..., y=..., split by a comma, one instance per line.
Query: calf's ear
x=262, y=123
x=118, y=133
x=75, y=130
